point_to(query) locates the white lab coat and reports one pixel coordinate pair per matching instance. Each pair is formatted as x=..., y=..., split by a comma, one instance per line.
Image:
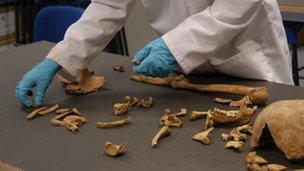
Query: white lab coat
x=243, y=38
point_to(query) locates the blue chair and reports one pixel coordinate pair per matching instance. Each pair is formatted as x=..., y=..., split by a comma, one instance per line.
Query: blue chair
x=52, y=22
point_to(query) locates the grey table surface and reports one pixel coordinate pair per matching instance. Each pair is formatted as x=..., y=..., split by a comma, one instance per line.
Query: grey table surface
x=36, y=145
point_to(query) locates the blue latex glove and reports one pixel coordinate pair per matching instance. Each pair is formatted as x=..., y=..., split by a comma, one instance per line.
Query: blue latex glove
x=41, y=76
x=155, y=59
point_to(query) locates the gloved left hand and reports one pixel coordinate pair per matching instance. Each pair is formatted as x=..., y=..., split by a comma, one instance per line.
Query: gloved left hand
x=155, y=59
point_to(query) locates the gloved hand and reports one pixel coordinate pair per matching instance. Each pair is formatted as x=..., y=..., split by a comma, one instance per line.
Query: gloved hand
x=155, y=59
x=41, y=76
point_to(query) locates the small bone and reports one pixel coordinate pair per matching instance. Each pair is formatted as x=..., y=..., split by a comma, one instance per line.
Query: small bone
x=121, y=108
x=72, y=122
x=170, y=120
x=238, y=145
x=275, y=167
x=133, y=100
x=119, y=68
x=49, y=110
x=253, y=158
x=203, y=136
x=197, y=115
x=225, y=137
x=183, y=112
x=246, y=129
x=71, y=119
x=35, y=113
x=163, y=132
x=114, y=150
x=114, y=123
x=60, y=111
x=209, y=121
x=222, y=100
x=145, y=104
x=237, y=135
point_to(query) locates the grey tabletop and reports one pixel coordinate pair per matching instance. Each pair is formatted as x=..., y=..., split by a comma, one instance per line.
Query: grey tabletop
x=36, y=145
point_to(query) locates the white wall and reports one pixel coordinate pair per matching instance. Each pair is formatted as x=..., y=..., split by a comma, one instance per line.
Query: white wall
x=138, y=30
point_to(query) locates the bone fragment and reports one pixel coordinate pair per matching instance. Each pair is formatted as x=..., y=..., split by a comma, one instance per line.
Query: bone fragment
x=113, y=149
x=203, y=136
x=49, y=110
x=237, y=145
x=225, y=137
x=133, y=100
x=209, y=121
x=183, y=112
x=197, y=115
x=170, y=120
x=237, y=135
x=117, y=123
x=121, y=108
x=145, y=104
x=119, y=68
x=253, y=158
x=257, y=95
x=258, y=163
x=163, y=132
x=246, y=129
x=60, y=111
x=222, y=100
x=35, y=112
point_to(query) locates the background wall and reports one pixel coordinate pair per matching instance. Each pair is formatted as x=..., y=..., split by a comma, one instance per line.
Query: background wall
x=138, y=30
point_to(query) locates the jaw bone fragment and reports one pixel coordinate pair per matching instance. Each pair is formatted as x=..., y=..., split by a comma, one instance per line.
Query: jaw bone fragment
x=114, y=123
x=281, y=122
x=145, y=104
x=203, y=136
x=257, y=95
x=86, y=82
x=163, y=132
x=170, y=120
x=114, y=150
x=238, y=145
x=197, y=115
x=121, y=108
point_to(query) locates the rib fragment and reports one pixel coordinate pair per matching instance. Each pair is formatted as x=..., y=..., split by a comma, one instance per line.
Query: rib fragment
x=163, y=132
x=170, y=120
x=203, y=136
x=117, y=123
x=59, y=111
x=49, y=110
x=86, y=82
x=257, y=95
x=113, y=149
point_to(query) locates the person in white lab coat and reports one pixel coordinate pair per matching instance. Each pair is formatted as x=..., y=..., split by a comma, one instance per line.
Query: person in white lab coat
x=243, y=38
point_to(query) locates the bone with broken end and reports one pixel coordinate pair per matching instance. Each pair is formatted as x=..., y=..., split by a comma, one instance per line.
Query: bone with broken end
x=238, y=145
x=121, y=108
x=197, y=115
x=170, y=120
x=163, y=132
x=203, y=136
x=113, y=149
x=35, y=112
x=117, y=123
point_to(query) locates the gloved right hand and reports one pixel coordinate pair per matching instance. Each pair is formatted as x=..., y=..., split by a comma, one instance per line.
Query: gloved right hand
x=41, y=76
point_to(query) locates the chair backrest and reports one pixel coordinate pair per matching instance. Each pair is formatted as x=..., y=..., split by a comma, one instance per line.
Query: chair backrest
x=52, y=22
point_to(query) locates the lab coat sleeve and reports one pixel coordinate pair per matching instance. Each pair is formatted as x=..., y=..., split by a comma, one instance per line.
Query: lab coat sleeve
x=197, y=38
x=90, y=34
